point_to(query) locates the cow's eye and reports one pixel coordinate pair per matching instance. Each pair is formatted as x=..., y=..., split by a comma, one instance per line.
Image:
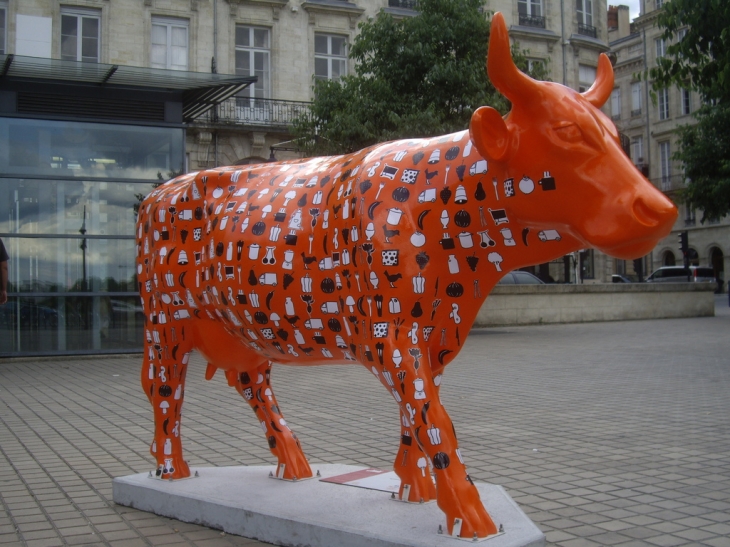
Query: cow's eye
x=569, y=132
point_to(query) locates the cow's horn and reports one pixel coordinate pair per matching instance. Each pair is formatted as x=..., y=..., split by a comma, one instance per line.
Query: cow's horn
x=601, y=89
x=503, y=72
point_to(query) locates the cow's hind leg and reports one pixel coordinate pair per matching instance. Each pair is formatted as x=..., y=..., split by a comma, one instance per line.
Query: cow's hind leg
x=255, y=387
x=163, y=380
x=411, y=466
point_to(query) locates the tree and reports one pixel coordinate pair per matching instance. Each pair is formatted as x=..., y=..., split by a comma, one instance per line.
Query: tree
x=700, y=60
x=414, y=77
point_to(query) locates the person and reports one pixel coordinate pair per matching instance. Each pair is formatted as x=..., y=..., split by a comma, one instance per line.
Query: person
x=3, y=274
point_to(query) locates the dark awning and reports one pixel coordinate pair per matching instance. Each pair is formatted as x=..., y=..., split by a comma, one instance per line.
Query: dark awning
x=200, y=90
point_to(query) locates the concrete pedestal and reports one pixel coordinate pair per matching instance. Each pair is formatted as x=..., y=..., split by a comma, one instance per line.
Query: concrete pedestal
x=245, y=501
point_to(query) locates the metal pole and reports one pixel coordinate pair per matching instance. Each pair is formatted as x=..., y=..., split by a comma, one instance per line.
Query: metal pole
x=562, y=41
x=215, y=33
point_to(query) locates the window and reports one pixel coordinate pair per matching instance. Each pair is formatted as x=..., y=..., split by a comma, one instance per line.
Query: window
x=686, y=101
x=637, y=150
x=530, y=13
x=663, y=97
x=80, y=35
x=3, y=27
x=535, y=64
x=586, y=77
x=169, y=44
x=585, y=11
x=530, y=7
x=665, y=165
x=330, y=57
x=661, y=47
x=636, y=99
x=616, y=103
x=690, y=216
x=253, y=59
x=659, y=3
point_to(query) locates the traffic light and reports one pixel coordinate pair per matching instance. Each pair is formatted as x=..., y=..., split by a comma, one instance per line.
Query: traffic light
x=683, y=242
x=684, y=246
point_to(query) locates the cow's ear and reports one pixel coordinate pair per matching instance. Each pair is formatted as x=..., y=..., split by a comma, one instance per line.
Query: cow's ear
x=489, y=133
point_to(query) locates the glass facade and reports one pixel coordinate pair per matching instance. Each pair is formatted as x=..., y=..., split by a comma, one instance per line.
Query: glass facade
x=67, y=213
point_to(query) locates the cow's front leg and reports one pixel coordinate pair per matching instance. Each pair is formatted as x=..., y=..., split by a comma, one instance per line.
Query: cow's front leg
x=163, y=380
x=255, y=387
x=414, y=389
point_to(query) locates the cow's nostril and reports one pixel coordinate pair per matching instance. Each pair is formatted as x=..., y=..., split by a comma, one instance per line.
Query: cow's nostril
x=645, y=214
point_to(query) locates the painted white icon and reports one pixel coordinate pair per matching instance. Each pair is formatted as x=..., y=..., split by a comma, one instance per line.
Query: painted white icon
x=496, y=259
x=548, y=235
x=478, y=167
x=527, y=185
x=508, y=239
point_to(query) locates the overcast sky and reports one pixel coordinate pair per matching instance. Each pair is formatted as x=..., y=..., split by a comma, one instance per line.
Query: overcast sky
x=633, y=7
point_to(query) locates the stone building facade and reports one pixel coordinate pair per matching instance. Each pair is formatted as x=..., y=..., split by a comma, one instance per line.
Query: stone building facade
x=649, y=123
x=283, y=42
x=78, y=149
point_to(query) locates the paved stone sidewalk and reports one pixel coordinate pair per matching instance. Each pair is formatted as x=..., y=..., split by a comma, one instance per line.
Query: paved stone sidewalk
x=604, y=433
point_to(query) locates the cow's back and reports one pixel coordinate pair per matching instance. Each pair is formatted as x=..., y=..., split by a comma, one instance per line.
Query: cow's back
x=314, y=261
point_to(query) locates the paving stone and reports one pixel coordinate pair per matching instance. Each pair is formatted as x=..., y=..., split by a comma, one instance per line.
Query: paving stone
x=665, y=540
x=627, y=418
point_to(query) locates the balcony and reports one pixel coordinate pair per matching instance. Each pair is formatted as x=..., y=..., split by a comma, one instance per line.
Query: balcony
x=669, y=183
x=532, y=21
x=403, y=4
x=264, y=113
x=635, y=113
x=587, y=30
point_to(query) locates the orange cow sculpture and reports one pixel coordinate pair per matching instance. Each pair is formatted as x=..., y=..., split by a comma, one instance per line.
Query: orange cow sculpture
x=383, y=258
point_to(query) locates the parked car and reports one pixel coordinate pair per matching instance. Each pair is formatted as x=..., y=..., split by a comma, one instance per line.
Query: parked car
x=617, y=278
x=520, y=278
x=678, y=274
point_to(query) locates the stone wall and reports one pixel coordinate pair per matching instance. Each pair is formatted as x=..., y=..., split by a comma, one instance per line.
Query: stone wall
x=536, y=304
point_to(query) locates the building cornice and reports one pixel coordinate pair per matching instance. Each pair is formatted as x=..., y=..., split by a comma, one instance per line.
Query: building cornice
x=579, y=41
x=333, y=7
x=645, y=19
x=634, y=62
x=275, y=5
x=532, y=32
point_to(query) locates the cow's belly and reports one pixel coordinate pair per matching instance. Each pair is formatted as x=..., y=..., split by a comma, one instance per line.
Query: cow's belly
x=230, y=351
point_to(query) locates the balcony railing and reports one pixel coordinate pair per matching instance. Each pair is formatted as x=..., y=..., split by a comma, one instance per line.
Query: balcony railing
x=670, y=183
x=532, y=21
x=261, y=112
x=405, y=4
x=587, y=30
x=635, y=113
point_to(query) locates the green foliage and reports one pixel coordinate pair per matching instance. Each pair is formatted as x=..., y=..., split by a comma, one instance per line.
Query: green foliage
x=702, y=58
x=701, y=61
x=705, y=153
x=414, y=77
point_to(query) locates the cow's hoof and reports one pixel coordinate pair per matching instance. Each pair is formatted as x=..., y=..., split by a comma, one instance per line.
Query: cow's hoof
x=418, y=490
x=172, y=469
x=470, y=521
x=295, y=469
